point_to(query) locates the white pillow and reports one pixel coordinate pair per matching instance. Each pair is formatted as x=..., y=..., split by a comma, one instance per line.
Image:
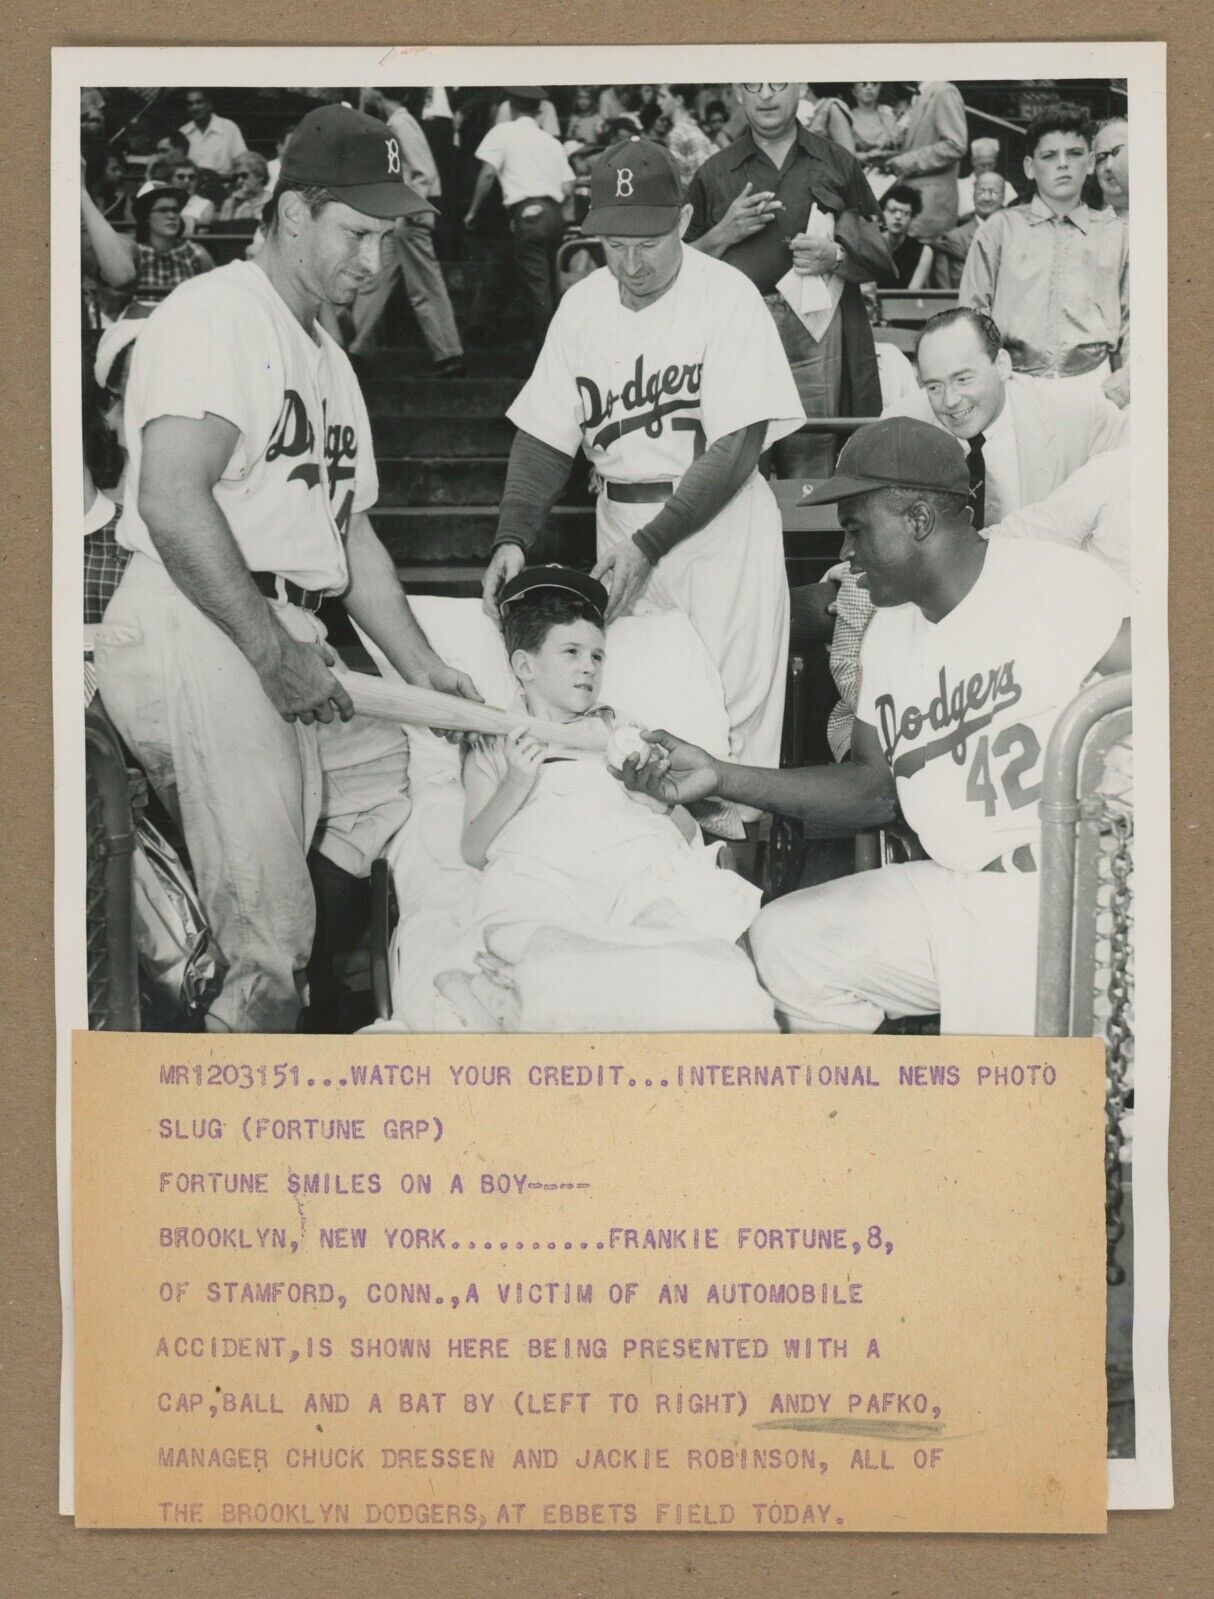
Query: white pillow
x=657, y=672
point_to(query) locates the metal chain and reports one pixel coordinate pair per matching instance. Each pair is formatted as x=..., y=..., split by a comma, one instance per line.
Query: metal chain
x=1118, y=1033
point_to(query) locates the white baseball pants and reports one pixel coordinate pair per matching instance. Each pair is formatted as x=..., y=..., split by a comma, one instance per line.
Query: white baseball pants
x=251, y=793
x=903, y=941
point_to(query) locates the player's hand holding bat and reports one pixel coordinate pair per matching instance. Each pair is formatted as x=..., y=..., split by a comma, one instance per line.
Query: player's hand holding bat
x=625, y=571
x=749, y=213
x=682, y=774
x=299, y=684
x=524, y=757
x=445, y=679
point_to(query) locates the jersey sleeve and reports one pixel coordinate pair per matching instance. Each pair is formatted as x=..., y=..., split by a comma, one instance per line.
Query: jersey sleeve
x=747, y=377
x=549, y=405
x=197, y=355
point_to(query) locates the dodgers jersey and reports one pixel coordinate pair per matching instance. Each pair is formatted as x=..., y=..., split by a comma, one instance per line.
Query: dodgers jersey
x=226, y=343
x=644, y=392
x=964, y=707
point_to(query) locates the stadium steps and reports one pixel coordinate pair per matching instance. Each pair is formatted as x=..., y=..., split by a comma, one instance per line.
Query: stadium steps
x=463, y=535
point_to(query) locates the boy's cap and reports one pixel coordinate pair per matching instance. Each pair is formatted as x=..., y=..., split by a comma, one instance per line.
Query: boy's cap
x=634, y=191
x=356, y=157
x=898, y=452
x=527, y=91
x=562, y=578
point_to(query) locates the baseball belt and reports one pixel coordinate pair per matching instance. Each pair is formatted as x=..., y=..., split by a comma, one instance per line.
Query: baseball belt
x=284, y=592
x=638, y=493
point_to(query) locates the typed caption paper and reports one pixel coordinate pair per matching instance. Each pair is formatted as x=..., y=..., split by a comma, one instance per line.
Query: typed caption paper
x=562, y=1282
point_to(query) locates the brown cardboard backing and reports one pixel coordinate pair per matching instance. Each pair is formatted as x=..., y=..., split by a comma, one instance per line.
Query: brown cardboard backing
x=42, y=1554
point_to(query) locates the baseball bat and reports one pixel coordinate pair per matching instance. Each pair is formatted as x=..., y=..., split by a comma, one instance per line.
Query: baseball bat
x=426, y=707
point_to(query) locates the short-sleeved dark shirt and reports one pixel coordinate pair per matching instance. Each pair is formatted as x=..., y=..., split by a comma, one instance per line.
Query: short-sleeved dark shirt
x=815, y=170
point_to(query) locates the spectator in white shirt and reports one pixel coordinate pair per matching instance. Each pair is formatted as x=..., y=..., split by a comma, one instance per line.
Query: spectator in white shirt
x=215, y=142
x=536, y=180
x=544, y=111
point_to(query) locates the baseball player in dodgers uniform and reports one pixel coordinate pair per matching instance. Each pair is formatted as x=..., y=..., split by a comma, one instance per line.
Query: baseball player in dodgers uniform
x=666, y=369
x=251, y=449
x=974, y=651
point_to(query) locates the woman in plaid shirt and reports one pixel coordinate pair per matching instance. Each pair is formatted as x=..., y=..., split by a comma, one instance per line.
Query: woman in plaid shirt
x=164, y=257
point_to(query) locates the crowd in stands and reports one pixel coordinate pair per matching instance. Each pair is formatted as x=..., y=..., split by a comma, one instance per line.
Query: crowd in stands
x=1032, y=236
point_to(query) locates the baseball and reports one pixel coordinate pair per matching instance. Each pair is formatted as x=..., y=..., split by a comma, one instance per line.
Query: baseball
x=625, y=741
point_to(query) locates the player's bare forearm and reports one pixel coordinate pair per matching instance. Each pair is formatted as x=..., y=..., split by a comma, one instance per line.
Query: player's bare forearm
x=378, y=603
x=715, y=242
x=850, y=796
x=115, y=253
x=182, y=461
x=704, y=490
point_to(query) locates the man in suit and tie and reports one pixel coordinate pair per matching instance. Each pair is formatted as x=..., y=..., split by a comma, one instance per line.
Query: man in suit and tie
x=930, y=159
x=1023, y=438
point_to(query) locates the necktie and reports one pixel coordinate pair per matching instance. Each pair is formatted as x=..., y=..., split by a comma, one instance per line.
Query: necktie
x=977, y=466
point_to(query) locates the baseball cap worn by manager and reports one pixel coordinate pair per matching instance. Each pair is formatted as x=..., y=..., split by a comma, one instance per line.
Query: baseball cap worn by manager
x=634, y=191
x=897, y=452
x=356, y=157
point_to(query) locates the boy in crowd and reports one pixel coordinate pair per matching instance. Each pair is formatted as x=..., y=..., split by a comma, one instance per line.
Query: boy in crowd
x=1054, y=274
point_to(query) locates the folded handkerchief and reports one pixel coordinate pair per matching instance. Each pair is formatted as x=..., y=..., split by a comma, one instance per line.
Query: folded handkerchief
x=814, y=299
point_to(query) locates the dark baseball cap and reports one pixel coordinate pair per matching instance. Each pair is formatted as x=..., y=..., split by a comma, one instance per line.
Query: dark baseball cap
x=527, y=91
x=634, y=190
x=357, y=158
x=563, y=578
x=897, y=452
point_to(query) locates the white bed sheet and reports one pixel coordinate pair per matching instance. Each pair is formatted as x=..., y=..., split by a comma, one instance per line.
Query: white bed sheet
x=657, y=671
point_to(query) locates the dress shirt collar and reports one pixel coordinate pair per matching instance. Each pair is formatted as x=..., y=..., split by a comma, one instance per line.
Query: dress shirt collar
x=1038, y=211
x=745, y=145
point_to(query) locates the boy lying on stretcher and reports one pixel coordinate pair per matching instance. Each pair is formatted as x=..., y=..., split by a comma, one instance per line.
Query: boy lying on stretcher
x=596, y=912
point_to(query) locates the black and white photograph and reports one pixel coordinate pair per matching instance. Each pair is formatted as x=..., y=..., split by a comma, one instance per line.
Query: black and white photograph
x=581, y=557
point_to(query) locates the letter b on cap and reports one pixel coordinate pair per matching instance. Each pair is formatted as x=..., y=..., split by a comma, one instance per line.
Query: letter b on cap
x=623, y=184
x=393, y=157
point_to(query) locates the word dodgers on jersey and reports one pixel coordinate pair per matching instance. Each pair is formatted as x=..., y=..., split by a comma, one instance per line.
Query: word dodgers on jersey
x=672, y=389
x=964, y=707
x=643, y=392
x=304, y=462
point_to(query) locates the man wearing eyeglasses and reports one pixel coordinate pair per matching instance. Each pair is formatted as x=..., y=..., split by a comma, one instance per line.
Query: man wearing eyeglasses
x=781, y=199
x=1111, y=164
